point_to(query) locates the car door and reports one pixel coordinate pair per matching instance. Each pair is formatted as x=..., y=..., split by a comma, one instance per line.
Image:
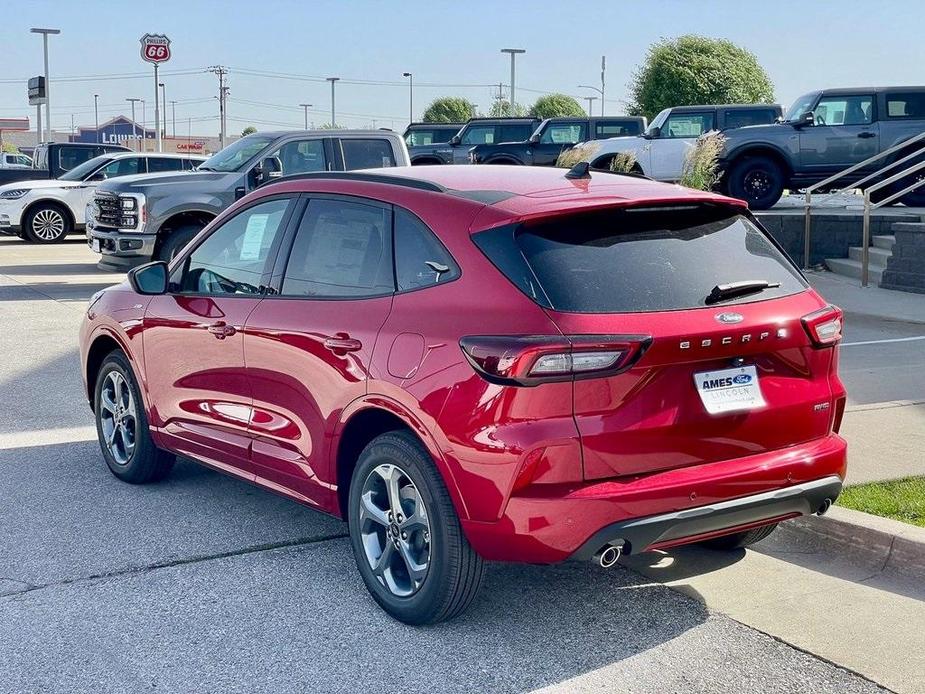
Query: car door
x=676, y=138
x=845, y=133
x=480, y=134
x=308, y=346
x=194, y=336
x=556, y=138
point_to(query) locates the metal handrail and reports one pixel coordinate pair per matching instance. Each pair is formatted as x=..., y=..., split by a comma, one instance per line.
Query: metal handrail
x=807, y=203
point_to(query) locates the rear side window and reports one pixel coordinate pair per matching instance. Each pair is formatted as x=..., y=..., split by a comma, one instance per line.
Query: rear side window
x=341, y=249
x=515, y=133
x=739, y=118
x=69, y=157
x=625, y=261
x=911, y=105
x=605, y=129
x=160, y=164
x=420, y=258
x=417, y=138
x=367, y=154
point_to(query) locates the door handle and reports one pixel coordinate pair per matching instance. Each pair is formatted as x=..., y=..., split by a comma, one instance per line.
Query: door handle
x=867, y=135
x=343, y=343
x=221, y=330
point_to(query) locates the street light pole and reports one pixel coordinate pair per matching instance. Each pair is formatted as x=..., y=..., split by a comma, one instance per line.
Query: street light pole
x=45, y=33
x=134, y=124
x=410, y=95
x=603, y=70
x=96, y=115
x=173, y=110
x=514, y=52
x=305, y=108
x=164, y=102
x=144, y=128
x=332, y=80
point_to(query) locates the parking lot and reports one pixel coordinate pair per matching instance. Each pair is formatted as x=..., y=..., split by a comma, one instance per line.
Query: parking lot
x=203, y=583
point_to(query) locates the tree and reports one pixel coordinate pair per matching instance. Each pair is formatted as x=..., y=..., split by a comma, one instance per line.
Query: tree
x=555, y=106
x=449, y=109
x=502, y=108
x=9, y=148
x=249, y=130
x=330, y=126
x=697, y=70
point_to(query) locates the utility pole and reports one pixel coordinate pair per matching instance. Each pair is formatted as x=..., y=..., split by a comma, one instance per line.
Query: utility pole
x=144, y=128
x=72, y=124
x=134, y=125
x=590, y=101
x=514, y=52
x=96, y=115
x=333, y=80
x=164, y=102
x=173, y=108
x=45, y=33
x=599, y=91
x=603, y=70
x=223, y=90
x=305, y=108
x=410, y=95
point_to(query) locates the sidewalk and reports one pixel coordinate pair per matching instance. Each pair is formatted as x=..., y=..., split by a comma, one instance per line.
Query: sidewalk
x=868, y=301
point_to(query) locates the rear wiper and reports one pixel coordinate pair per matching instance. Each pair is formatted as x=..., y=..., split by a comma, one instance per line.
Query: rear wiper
x=721, y=292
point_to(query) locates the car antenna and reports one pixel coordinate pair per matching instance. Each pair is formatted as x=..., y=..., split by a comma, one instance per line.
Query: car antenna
x=581, y=170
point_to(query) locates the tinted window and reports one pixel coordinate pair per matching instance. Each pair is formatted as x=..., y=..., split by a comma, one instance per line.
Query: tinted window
x=69, y=157
x=366, y=154
x=844, y=110
x=159, y=164
x=416, y=138
x=623, y=261
x=123, y=167
x=515, y=133
x=910, y=105
x=605, y=129
x=420, y=258
x=739, y=118
x=687, y=125
x=564, y=133
x=480, y=135
x=301, y=156
x=233, y=259
x=341, y=249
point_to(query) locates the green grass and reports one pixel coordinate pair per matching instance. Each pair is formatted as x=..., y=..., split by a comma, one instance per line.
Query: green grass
x=902, y=500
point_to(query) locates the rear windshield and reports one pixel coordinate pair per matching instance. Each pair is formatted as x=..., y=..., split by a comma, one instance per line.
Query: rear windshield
x=627, y=261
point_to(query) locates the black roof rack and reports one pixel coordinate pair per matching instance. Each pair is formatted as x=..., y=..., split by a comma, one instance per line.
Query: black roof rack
x=387, y=179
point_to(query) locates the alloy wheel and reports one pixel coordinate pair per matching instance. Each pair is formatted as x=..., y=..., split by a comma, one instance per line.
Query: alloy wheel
x=395, y=530
x=48, y=224
x=118, y=417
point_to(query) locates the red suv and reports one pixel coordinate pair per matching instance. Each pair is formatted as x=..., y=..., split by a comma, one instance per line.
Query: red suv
x=481, y=363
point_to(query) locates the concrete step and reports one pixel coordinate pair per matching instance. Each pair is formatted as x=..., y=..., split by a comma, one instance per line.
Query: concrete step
x=908, y=226
x=883, y=241
x=878, y=256
x=852, y=268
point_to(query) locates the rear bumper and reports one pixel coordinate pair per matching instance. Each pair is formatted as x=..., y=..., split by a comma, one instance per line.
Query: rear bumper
x=663, y=509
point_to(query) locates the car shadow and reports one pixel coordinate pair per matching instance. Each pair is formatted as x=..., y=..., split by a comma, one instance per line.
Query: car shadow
x=54, y=269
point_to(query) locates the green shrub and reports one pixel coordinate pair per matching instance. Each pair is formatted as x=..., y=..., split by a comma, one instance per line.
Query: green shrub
x=623, y=162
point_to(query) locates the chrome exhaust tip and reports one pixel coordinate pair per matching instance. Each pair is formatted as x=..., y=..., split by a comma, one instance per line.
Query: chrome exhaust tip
x=826, y=505
x=608, y=555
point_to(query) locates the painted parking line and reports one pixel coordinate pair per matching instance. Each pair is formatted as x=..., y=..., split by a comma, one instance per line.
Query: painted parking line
x=46, y=437
x=884, y=341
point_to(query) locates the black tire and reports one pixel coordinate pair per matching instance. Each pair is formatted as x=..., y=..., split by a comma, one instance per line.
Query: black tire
x=453, y=570
x=740, y=540
x=176, y=241
x=145, y=463
x=757, y=180
x=47, y=222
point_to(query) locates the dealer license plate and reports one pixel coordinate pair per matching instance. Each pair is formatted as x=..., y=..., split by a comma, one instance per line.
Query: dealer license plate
x=729, y=390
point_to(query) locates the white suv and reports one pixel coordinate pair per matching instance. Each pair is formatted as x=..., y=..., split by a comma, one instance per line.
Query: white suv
x=45, y=211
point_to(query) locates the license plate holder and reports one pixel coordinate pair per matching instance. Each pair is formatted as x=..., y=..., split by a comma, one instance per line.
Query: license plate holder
x=729, y=390
x=95, y=245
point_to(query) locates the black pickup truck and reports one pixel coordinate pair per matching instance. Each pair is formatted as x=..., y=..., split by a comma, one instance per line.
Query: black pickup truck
x=52, y=159
x=552, y=137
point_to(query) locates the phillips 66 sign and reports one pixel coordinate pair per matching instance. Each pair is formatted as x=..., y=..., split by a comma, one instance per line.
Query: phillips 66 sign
x=155, y=48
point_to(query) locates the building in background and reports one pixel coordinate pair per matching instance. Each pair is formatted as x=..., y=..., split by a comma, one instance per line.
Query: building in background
x=121, y=131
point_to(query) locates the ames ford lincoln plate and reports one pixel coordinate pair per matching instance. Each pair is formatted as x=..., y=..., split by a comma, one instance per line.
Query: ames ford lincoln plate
x=481, y=363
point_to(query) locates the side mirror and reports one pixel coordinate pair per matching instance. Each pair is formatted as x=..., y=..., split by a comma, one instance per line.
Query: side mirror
x=98, y=176
x=534, y=139
x=654, y=132
x=455, y=140
x=806, y=119
x=268, y=169
x=150, y=278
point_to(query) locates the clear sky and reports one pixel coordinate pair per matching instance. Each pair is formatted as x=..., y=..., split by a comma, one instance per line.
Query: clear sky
x=803, y=45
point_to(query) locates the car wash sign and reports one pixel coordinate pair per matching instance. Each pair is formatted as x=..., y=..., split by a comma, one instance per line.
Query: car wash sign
x=155, y=48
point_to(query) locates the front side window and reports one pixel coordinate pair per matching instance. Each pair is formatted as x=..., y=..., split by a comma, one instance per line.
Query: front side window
x=844, y=110
x=233, y=259
x=122, y=167
x=341, y=249
x=366, y=154
x=301, y=156
x=911, y=105
x=688, y=125
x=479, y=135
x=564, y=134
x=420, y=258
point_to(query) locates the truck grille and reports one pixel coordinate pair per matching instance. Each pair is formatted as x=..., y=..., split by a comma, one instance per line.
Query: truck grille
x=109, y=210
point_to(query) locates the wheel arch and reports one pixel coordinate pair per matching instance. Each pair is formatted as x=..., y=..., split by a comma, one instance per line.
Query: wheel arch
x=603, y=162
x=760, y=150
x=190, y=217
x=102, y=344
x=366, y=419
x=426, y=161
x=52, y=202
x=504, y=159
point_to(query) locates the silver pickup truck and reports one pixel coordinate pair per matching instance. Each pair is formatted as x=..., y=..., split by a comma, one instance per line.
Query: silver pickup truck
x=824, y=132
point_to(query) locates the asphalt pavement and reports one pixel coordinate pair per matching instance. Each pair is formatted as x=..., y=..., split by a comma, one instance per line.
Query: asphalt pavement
x=203, y=583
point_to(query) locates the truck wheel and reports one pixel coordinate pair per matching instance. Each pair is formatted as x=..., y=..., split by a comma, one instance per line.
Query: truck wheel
x=176, y=241
x=46, y=223
x=757, y=180
x=740, y=540
x=406, y=537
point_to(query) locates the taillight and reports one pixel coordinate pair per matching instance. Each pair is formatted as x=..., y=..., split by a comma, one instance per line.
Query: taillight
x=528, y=360
x=824, y=326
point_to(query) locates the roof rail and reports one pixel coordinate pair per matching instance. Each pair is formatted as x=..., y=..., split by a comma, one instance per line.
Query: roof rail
x=387, y=179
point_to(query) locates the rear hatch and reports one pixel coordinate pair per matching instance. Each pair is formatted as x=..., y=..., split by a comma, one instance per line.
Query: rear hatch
x=709, y=315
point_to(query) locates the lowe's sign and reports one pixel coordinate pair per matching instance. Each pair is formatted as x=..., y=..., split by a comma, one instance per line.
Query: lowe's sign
x=118, y=131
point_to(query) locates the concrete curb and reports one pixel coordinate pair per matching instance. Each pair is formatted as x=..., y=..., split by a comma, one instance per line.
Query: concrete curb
x=899, y=547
